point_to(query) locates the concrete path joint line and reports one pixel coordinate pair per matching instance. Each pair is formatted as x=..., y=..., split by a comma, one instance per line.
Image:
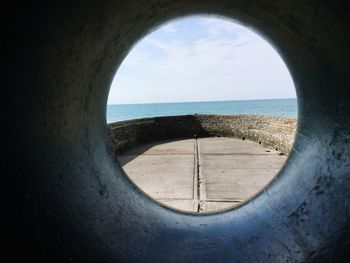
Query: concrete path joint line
x=195, y=178
x=201, y=181
x=188, y=175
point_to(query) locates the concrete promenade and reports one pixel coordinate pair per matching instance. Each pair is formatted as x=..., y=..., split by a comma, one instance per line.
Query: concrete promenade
x=201, y=175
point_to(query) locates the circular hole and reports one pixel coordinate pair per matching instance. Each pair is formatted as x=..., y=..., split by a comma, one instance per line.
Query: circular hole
x=196, y=112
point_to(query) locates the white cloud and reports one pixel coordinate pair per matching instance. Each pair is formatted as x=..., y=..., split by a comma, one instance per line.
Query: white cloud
x=169, y=28
x=220, y=60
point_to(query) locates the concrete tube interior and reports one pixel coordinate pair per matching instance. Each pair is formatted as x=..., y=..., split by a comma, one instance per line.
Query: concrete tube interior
x=64, y=198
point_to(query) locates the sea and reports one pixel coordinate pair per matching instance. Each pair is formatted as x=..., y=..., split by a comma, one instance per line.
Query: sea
x=273, y=107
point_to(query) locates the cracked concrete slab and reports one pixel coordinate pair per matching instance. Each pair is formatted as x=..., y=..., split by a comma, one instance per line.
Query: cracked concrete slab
x=224, y=146
x=201, y=175
x=185, y=205
x=170, y=147
x=217, y=206
x=162, y=176
x=236, y=184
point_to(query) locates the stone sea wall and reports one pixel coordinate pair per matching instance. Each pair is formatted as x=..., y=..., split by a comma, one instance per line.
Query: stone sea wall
x=269, y=131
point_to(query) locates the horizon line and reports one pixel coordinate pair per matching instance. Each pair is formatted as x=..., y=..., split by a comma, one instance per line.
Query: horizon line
x=142, y=103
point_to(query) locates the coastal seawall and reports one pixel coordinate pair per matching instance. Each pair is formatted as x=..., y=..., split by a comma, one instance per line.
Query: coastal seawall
x=274, y=132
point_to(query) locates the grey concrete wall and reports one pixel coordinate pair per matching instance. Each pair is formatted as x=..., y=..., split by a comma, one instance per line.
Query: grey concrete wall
x=64, y=197
x=270, y=131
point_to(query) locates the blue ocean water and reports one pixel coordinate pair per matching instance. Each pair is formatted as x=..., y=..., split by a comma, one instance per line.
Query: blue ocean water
x=273, y=107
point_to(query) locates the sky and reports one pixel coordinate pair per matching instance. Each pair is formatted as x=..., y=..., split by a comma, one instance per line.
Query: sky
x=201, y=58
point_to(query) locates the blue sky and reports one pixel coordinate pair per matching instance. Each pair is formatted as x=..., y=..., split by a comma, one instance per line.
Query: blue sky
x=201, y=58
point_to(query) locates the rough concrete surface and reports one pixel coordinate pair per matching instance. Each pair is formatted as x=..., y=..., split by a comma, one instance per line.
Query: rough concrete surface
x=201, y=175
x=64, y=199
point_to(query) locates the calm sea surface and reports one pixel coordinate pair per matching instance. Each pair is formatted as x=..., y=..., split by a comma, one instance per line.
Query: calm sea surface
x=274, y=107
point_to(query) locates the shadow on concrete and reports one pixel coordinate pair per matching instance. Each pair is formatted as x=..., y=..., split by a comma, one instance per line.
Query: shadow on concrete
x=127, y=156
